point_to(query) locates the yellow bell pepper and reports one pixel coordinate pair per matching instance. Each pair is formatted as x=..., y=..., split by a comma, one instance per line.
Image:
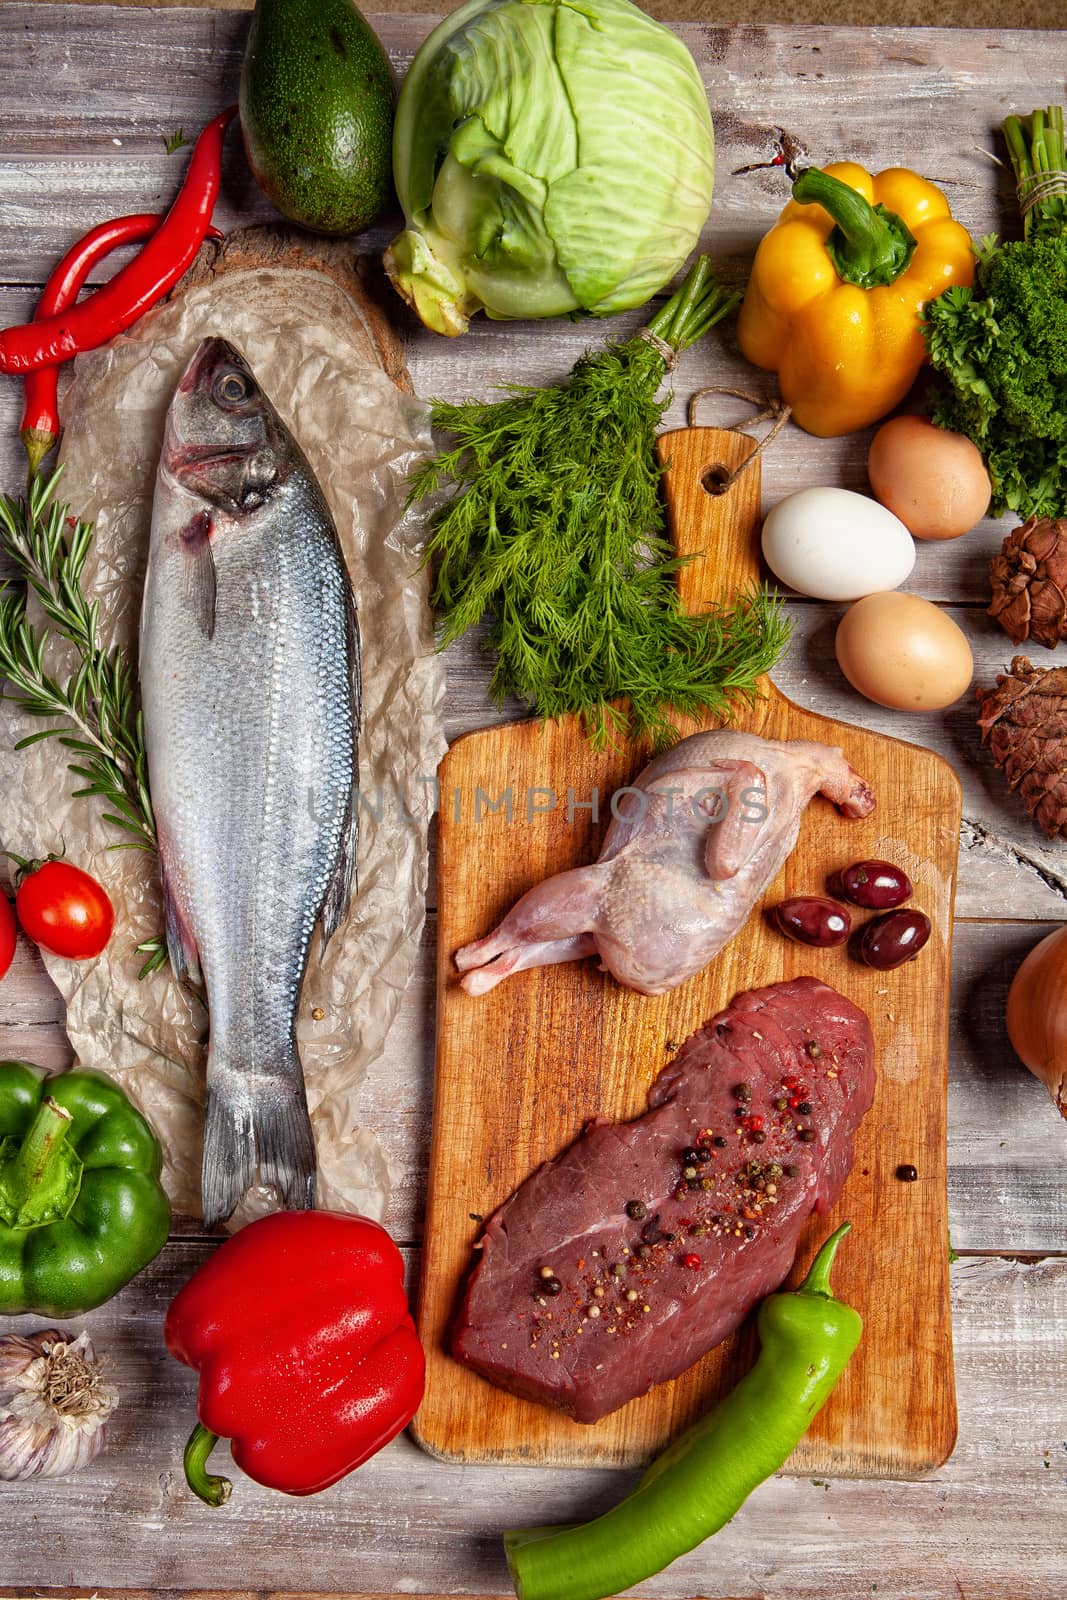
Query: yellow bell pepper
x=838, y=287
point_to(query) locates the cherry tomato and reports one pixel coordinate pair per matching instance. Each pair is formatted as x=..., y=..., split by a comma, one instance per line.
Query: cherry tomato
x=7, y=935
x=64, y=910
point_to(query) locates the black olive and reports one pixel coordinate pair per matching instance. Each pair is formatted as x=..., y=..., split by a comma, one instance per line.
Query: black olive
x=875, y=885
x=890, y=940
x=812, y=920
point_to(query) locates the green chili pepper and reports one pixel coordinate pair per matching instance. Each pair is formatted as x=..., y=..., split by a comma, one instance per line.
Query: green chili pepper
x=705, y=1476
x=81, y=1206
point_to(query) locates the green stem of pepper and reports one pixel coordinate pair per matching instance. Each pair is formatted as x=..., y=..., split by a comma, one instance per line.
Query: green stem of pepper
x=40, y=1177
x=699, y=1482
x=870, y=246
x=214, y=1491
x=817, y=1281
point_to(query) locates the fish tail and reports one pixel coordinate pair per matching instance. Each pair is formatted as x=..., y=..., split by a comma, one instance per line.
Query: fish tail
x=286, y=1142
x=256, y=1118
x=229, y=1168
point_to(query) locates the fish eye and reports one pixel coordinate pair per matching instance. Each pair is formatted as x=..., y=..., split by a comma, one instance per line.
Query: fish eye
x=232, y=387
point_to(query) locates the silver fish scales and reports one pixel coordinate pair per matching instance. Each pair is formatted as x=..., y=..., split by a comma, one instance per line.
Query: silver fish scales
x=250, y=684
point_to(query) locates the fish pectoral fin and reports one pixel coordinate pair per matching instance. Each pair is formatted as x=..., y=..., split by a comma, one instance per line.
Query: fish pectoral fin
x=342, y=884
x=181, y=945
x=200, y=584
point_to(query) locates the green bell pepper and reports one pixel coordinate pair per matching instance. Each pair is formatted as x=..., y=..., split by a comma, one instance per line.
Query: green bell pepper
x=81, y=1205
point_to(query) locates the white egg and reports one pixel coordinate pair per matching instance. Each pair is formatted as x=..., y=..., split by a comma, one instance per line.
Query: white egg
x=834, y=544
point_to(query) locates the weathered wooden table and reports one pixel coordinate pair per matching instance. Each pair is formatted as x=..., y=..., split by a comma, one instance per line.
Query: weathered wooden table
x=88, y=95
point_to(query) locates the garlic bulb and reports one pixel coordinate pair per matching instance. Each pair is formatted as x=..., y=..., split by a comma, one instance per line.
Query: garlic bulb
x=53, y=1404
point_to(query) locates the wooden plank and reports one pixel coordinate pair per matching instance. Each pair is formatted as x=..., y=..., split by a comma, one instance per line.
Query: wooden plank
x=1013, y=865
x=1007, y=867
x=1007, y=1148
x=1006, y=862
x=982, y=1527
x=404, y=1524
x=518, y=1071
x=181, y=65
x=494, y=353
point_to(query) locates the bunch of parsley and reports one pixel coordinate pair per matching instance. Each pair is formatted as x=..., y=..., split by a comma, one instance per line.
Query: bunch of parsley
x=1001, y=347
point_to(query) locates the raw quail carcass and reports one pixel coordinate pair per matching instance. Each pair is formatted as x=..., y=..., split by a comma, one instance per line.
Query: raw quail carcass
x=251, y=688
x=697, y=839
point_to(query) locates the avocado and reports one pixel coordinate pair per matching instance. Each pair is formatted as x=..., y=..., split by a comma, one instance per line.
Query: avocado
x=317, y=113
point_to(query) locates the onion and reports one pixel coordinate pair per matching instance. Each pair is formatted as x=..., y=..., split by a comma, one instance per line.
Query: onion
x=1037, y=1014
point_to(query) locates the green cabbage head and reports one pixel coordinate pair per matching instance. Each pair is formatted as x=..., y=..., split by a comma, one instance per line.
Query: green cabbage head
x=551, y=156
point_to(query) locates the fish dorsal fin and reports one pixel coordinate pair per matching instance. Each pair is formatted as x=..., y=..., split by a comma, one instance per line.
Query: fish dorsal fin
x=343, y=883
x=199, y=578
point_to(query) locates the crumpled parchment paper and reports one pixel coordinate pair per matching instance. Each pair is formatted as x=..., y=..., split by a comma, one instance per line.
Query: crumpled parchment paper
x=311, y=349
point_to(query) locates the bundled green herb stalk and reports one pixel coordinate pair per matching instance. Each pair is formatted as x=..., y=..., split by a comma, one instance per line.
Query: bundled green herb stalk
x=1002, y=347
x=555, y=530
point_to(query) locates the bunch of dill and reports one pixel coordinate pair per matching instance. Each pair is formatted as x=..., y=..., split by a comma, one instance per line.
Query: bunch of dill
x=555, y=530
x=1001, y=347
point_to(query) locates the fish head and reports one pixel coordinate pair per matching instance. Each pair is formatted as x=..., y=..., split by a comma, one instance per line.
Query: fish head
x=224, y=441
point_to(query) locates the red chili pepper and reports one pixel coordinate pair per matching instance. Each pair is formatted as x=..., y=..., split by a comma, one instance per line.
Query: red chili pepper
x=140, y=283
x=309, y=1361
x=40, y=413
x=40, y=425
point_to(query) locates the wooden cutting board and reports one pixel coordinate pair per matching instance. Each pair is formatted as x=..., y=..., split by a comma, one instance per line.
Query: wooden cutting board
x=520, y=1069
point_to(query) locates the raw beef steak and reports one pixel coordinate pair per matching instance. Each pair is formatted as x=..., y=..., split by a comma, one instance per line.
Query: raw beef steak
x=645, y=1244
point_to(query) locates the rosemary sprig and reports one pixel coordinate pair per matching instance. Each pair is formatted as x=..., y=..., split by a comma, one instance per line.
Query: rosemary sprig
x=95, y=708
x=555, y=530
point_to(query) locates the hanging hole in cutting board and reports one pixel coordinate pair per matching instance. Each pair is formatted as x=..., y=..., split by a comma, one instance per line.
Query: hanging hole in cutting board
x=717, y=479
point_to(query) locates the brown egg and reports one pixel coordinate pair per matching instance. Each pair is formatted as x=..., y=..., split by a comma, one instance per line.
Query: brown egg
x=935, y=482
x=902, y=651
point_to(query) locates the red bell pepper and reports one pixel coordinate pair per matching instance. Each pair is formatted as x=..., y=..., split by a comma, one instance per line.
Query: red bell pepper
x=308, y=1358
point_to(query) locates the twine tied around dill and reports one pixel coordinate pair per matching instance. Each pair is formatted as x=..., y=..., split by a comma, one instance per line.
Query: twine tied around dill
x=1037, y=187
x=774, y=411
x=666, y=352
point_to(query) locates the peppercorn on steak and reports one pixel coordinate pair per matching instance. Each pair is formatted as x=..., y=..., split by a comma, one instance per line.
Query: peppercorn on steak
x=643, y=1245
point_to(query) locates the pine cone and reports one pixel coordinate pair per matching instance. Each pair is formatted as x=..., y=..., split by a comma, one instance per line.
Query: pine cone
x=1024, y=723
x=1029, y=579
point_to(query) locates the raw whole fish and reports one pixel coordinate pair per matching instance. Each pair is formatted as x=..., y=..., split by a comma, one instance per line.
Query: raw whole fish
x=251, y=690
